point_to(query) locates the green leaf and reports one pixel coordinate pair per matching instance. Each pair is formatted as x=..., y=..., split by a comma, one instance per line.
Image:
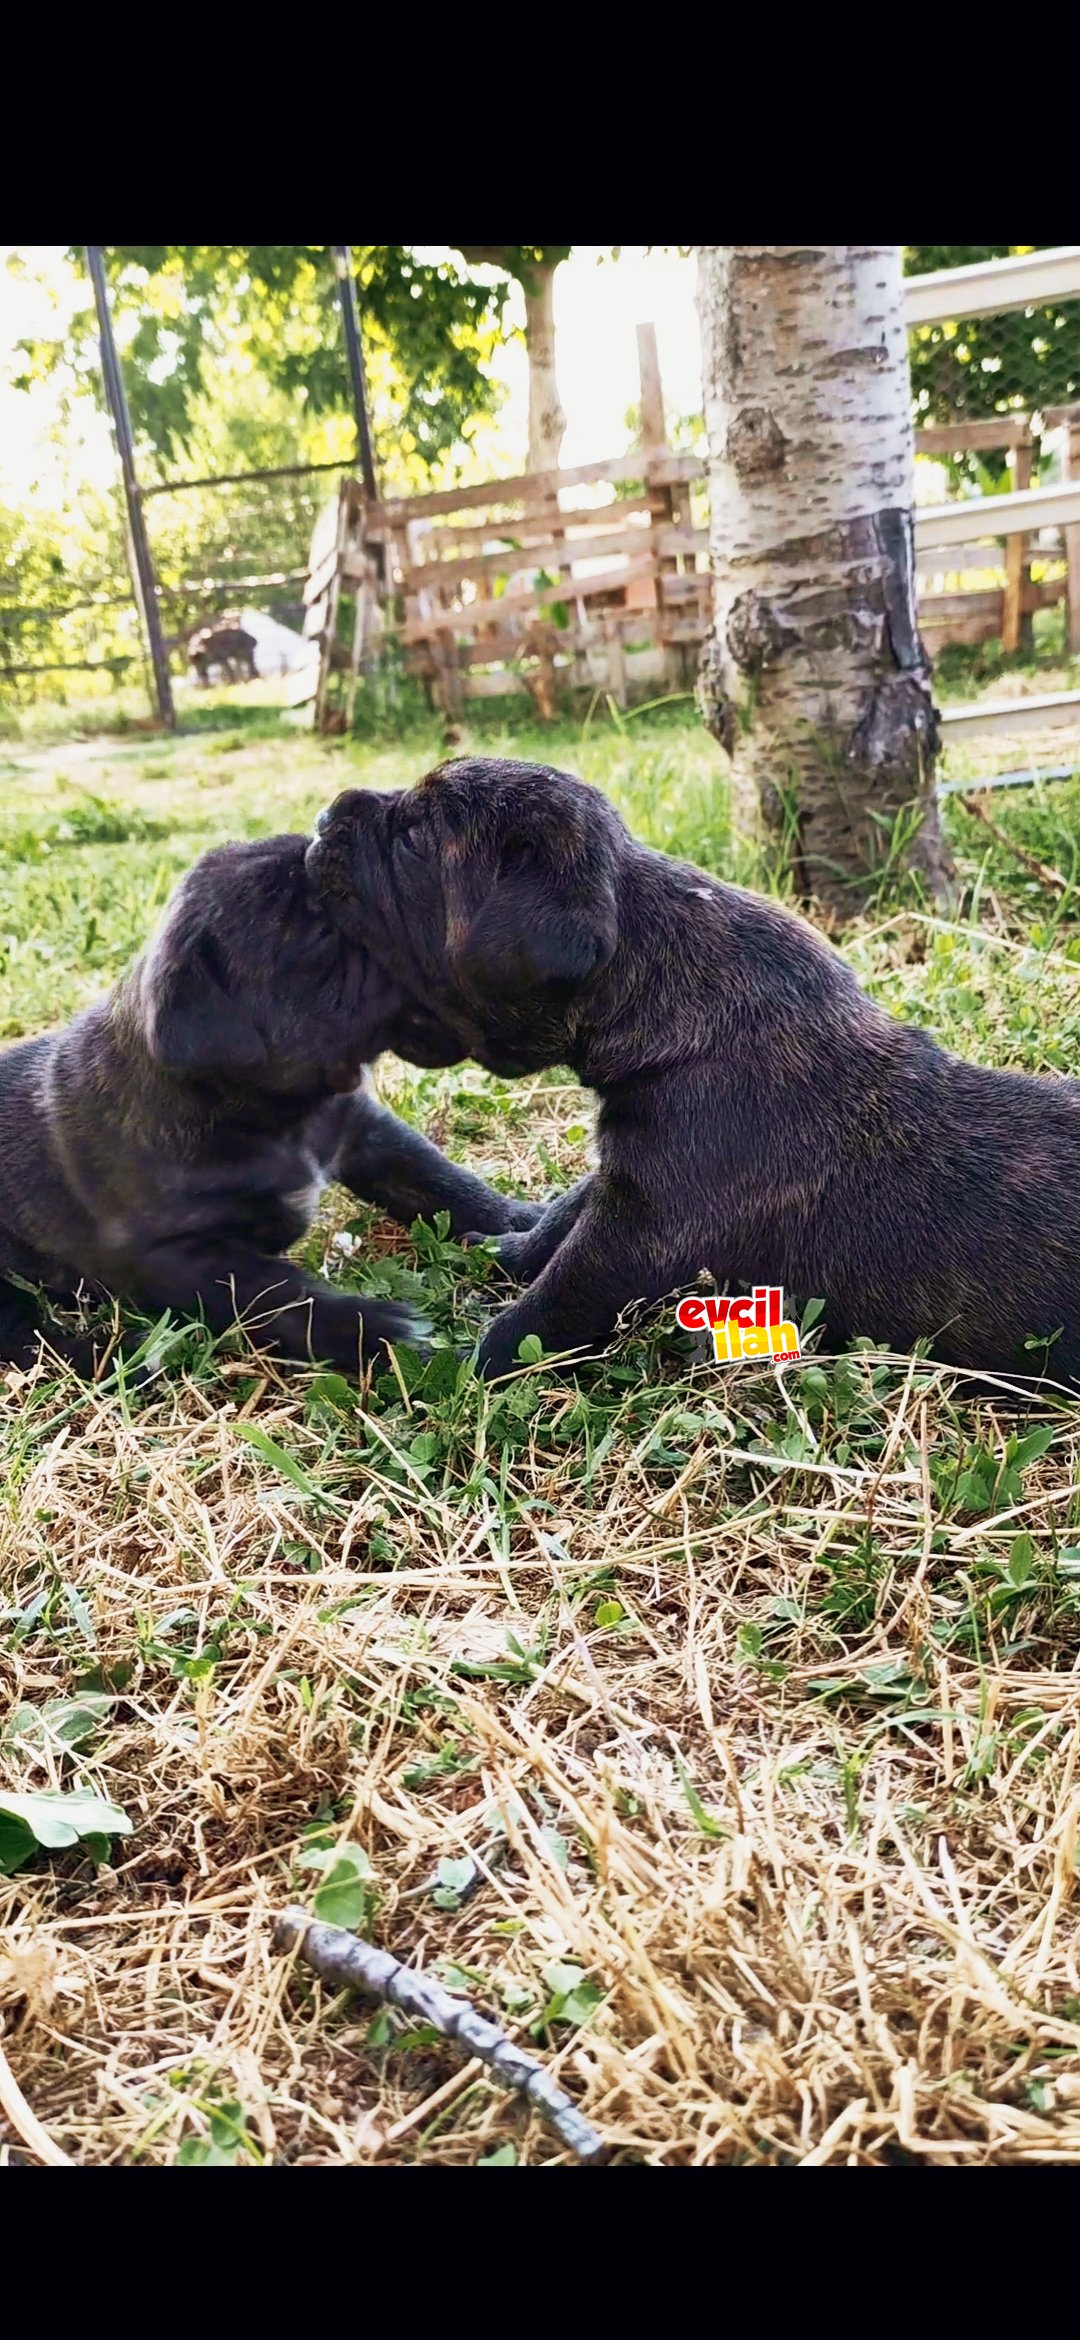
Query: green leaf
x=460, y=1978
x=705, y=1821
x=1030, y=1448
x=1021, y=1561
x=810, y=1315
x=60, y=1721
x=608, y=1613
x=573, y=1997
x=81, y=1615
x=285, y=1463
x=557, y=1846
x=972, y=1493
x=55, y=1822
x=202, y=2153
x=17, y=1842
x=504, y=2157
x=344, y=1897
x=530, y=1350
x=332, y=1389
x=453, y=1879
x=562, y=1977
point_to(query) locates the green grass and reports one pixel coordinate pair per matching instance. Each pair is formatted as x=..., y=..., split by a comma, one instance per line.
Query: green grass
x=702, y=1666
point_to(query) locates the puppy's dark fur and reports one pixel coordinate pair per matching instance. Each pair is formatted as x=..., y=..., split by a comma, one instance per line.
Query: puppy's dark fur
x=171, y=1143
x=760, y=1117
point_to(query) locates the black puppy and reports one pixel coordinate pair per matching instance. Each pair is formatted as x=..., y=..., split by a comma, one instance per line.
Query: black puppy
x=172, y=1142
x=760, y=1117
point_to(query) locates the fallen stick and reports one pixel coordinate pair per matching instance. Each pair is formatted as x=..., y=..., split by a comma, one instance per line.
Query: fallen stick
x=342, y=1959
x=1039, y=869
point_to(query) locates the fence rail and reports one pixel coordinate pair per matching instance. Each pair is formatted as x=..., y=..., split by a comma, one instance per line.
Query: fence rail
x=597, y=574
x=991, y=288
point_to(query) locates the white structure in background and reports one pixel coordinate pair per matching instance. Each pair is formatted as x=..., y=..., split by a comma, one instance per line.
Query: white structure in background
x=278, y=649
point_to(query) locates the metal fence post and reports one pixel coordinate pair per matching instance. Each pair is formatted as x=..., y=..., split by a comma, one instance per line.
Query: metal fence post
x=351, y=322
x=142, y=567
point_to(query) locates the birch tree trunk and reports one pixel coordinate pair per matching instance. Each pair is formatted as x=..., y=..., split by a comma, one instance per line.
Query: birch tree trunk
x=547, y=422
x=814, y=679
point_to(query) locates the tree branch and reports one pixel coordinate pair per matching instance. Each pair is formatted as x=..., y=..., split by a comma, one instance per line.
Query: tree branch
x=342, y=1959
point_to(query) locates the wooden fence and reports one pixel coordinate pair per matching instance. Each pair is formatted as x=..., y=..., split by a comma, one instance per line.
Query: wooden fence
x=596, y=578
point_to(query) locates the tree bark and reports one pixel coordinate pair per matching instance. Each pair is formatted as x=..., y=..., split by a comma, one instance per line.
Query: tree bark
x=547, y=422
x=815, y=680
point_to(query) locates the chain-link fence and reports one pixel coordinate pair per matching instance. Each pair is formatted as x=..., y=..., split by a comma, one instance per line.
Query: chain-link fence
x=1025, y=362
x=221, y=547
x=223, y=551
x=95, y=633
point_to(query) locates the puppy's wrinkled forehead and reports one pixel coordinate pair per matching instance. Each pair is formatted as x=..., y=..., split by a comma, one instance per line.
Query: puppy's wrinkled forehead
x=479, y=802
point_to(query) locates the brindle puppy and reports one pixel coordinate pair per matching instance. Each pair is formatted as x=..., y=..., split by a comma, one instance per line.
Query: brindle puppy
x=172, y=1142
x=760, y=1118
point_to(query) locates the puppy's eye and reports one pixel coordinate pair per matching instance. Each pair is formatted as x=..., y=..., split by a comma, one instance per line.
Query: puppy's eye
x=413, y=843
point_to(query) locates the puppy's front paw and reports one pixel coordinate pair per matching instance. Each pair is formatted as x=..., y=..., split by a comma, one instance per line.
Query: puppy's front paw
x=498, y=1353
x=525, y=1214
x=507, y=1249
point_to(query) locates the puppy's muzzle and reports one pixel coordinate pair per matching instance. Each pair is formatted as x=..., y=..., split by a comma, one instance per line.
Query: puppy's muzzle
x=324, y=860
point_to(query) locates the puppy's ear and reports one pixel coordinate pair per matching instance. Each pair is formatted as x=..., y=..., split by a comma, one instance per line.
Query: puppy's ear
x=549, y=923
x=193, y=1023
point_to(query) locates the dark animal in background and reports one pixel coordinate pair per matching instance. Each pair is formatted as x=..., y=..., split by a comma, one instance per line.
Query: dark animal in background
x=172, y=1142
x=760, y=1118
x=228, y=649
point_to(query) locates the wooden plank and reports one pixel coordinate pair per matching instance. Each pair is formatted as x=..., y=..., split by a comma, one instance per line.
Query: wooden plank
x=531, y=487
x=984, y=436
x=1050, y=711
x=641, y=666
x=653, y=427
x=991, y=287
x=1021, y=509
x=474, y=614
x=319, y=577
x=964, y=626
x=442, y=544
x=1006, y=430
x=1072, y=542
x=692, y=585
x=628, y=540
x=686, y=629
x=654, y=434
x=646, y=666
x=1057, y=418
x=936, y=609
x=300, y=684
x=1017, y=570
x=616, y=662
x=960, y=560
x=1045, y=592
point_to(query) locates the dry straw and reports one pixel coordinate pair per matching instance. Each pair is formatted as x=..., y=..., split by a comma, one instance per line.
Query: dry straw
x=739, y=1740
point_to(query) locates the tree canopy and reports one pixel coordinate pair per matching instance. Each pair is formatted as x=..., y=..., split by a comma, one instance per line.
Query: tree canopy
x=429, y=332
